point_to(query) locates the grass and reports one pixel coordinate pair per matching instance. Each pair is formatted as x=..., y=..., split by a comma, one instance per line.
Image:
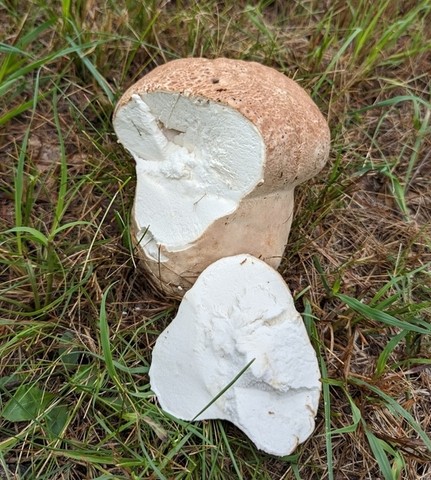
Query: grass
x=78, y=317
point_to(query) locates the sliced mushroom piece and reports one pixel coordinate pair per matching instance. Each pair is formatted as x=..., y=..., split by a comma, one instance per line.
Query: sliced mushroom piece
x=240, y=314
x=219, y=146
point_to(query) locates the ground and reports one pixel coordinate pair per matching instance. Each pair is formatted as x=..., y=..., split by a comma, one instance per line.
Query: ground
x=78, y=314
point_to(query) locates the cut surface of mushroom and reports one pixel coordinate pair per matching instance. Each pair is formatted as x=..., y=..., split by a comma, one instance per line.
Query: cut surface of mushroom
x=190, y=169
x=219, y=147
x=238, y=333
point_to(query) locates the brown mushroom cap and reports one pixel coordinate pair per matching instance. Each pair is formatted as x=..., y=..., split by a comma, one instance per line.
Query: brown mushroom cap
x=295, y=133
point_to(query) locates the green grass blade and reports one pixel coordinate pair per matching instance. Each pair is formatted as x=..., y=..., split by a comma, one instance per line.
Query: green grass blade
x=381, y=364
x=33, y=233
x=393, y=101
x=68, y=226
x=369, y=30
x=378, y=316
x=327, y=412
x=230, y=453
x=379, y=453
x=21, y=108
x=356, y=418
x=335, y=59
x=66, y=8
x=232, y=382
x=8, y=84
x=10, y=63
x=396, y=408
x=93, y=70
x=62, y=188
x=105, y=339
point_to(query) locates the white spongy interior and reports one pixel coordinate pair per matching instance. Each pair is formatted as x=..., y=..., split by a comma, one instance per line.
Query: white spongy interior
x=195, y=161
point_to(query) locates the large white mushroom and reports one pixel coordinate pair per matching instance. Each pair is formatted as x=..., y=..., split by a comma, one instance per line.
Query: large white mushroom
x=240, y=313
x=219, y=146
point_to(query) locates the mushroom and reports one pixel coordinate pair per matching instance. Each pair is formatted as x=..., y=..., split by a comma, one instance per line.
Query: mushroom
x=219, y=147
x=238, y=350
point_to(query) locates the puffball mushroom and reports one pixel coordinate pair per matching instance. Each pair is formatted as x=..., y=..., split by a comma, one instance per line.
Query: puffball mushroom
x=240, y=313
x=219, y=147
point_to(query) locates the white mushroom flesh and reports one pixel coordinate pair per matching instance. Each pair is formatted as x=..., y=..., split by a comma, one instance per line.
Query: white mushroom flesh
x=195, y=161
x=240, y=312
